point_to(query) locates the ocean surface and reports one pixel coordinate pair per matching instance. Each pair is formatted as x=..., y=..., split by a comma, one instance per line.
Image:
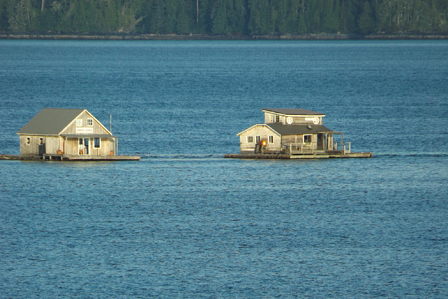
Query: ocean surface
x=186, y=223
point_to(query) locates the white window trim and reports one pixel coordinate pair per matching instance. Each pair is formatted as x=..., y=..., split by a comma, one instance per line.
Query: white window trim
x=269, y=139
x=247, y=139
x=79, y=122
x=311, y=138
x=91, y=122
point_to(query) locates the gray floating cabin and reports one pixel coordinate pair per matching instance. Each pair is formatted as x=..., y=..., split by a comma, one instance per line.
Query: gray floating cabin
x=70, y=132
x=292, y=132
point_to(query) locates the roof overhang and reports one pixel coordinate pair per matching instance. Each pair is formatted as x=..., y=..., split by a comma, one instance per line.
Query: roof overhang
x=293, y=112
x=259, y=125
x=298, y=129
x=34, y=134
x=88, y=136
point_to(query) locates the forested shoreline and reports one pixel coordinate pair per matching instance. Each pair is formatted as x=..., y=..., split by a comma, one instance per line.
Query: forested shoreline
x=227, y=19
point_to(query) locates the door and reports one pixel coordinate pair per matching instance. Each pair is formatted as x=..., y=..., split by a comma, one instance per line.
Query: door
x=320, y=141
x=83, y=146
x=86, y=146
x=41, y=146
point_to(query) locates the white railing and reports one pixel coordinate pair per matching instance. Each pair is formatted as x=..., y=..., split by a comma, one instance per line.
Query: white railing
x=300, y=148
x=346, y=147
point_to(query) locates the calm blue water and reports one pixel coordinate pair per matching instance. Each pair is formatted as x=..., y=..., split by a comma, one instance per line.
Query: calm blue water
x=184, y=222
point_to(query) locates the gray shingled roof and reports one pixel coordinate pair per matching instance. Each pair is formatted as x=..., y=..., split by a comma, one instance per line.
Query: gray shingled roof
x=293, y=111
x=50, y=121
x=298, y=129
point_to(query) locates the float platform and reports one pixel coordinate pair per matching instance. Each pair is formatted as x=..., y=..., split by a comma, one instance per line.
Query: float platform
x=310, y=156
x=57, y=157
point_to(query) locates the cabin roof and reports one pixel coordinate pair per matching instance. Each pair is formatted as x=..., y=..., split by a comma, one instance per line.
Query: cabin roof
x=281, y=129
x=50, y=121
x=293, y=111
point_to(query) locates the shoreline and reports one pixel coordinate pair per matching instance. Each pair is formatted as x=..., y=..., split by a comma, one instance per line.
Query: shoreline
x=321, y=36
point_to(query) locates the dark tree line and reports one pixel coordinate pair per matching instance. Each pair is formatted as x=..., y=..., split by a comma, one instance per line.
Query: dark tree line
x=252, y=17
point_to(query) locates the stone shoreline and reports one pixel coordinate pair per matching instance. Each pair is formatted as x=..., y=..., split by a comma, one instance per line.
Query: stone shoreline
x=322, y=36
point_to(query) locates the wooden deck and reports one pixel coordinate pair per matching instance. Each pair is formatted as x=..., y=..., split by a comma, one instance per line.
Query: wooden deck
x=56, y=157
x=328, y=155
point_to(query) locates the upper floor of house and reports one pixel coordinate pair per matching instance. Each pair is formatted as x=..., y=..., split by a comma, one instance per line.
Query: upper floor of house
x=292, y=116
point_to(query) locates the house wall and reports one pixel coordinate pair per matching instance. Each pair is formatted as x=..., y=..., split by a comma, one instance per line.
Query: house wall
x=31, y=148
x=264, y=133
x=71, y=146
x=287, y=139
x=39, y=145
x=296, y=119
x=53, y=145
x=95, y=128
x=106, y=146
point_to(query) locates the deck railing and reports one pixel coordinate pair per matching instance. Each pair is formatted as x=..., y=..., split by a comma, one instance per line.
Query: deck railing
x=346, y=147
x=307, y=148
x=299, y=148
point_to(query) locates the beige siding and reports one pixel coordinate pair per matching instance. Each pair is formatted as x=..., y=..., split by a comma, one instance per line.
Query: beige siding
x=53, y=145
x=97, y=128
x=295, y=119
x=106, y=146
x=31, y=148
x=49, y=145
x=264, y=133
x=71, y=146
x=268, y=118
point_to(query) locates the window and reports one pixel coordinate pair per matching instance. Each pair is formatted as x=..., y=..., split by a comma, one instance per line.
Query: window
x=90, y=122
x=277, y=119
x=272, y=118
x=257, y=139
x=79, y=122
x=41, y=140
x=28, y=140
x=271, y=139
x=307, y=138
x=80, y=141
x=250, y=139
x=96, y=143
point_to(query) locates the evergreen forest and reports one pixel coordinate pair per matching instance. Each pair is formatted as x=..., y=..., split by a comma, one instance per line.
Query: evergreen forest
x=222, y=17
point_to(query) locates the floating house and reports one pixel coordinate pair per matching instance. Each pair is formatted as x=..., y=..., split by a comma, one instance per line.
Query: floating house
x=293, y=133
x=66, y=132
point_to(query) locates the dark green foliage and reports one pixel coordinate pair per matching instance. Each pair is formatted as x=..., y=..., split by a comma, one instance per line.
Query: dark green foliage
x=366, y=22
x=218, y=17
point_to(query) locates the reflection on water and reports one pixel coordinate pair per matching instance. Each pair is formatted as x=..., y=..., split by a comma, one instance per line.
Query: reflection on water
x=184, y=221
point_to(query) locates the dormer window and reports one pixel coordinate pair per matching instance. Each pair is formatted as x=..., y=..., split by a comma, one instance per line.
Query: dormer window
x=79, y=122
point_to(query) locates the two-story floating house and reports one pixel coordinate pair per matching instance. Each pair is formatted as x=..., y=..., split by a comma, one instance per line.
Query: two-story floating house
x=293, y=132
x=68, y=132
